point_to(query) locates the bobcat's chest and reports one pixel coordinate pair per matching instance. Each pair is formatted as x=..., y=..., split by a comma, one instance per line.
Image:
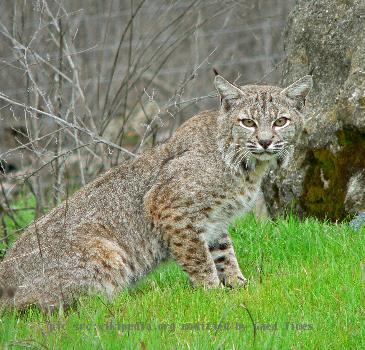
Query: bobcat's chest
x=236, y=204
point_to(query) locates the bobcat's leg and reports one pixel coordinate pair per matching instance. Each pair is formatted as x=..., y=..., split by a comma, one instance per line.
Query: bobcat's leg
x=92, y=262
x=192, y=253
x=46, y=292
x=226, y=263
x=171, y=216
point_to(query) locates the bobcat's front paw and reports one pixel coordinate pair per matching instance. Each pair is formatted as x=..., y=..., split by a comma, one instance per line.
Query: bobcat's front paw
x=237, y=281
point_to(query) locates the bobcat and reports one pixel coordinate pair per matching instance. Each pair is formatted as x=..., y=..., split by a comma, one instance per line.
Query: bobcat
x=174, y=200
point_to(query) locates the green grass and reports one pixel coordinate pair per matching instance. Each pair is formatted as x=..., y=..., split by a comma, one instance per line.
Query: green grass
x=22, y=218
x=306, y=292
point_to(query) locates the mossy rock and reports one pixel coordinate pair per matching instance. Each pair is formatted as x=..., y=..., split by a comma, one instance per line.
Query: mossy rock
x=326, y=177
x=328, y=174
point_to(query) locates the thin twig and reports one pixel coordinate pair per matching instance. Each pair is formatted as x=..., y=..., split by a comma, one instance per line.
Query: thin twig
x=65, y=123
x=252, y=321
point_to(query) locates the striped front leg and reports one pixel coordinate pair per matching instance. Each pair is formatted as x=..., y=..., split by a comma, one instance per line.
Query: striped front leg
x=226, y=263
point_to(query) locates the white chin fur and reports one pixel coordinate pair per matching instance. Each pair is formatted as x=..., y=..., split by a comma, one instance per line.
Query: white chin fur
x=264, y=156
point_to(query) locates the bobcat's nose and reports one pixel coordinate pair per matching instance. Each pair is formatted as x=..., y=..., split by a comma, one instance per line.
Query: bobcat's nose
x=265, y=143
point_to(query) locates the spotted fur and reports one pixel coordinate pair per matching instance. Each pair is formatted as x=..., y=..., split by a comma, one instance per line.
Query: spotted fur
x=174, y=200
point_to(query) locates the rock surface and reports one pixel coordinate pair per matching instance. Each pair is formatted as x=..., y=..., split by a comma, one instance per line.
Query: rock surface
x=358, y=222
x=325, y=38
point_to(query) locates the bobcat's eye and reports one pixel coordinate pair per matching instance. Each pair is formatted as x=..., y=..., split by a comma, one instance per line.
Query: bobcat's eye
x=281, y=122
x=248, y=123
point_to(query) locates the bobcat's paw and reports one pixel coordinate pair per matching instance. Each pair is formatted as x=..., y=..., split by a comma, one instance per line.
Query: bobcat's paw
x=235, y=282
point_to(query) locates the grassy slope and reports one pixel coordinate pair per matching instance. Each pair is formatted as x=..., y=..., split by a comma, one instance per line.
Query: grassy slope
x=308, y=295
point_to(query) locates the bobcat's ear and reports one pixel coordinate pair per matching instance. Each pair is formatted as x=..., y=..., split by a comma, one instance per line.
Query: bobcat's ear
x=299, y=90
x=227, y=90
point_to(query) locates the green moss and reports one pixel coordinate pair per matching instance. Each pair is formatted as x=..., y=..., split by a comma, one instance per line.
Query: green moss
x=361, y=101
x=325, y=184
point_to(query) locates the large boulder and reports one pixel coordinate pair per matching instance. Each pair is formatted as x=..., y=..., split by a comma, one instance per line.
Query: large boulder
x=325, y=176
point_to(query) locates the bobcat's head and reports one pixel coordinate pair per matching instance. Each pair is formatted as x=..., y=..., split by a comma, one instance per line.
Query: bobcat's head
x=259, y=123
